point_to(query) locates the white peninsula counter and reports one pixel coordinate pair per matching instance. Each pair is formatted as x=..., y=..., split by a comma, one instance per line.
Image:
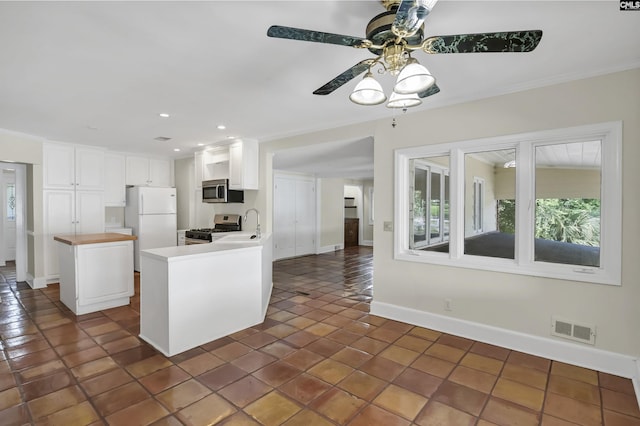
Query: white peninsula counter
x=193, y=294
x=96, y=271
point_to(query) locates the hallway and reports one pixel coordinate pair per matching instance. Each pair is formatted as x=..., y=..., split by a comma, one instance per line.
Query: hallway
x=318, y=359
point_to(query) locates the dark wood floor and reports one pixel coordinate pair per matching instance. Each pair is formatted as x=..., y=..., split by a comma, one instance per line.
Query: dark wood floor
x=319, y=358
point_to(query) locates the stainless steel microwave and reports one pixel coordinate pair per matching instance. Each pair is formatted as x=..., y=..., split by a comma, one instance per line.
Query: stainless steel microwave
x=217, y=191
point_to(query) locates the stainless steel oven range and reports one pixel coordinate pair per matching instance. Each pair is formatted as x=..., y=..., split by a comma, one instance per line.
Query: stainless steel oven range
x=221, y=223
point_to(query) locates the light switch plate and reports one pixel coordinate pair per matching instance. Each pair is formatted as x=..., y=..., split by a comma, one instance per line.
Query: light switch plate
x=388, y=226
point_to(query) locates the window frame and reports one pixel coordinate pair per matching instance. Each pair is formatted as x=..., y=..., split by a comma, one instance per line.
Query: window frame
x=609, y=271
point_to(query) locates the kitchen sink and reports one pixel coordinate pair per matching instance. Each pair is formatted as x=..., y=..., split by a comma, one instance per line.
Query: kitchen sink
x=240, y=238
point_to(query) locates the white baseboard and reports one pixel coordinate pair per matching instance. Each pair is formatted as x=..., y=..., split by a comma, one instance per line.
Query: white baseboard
x=570, y=353
x=329, y=249
x=368, y=243
x=35, y=283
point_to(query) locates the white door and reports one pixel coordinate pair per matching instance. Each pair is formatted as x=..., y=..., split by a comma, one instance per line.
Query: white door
x=294, y=216
x=9, y=215
x=284, y=218
x=305, y=217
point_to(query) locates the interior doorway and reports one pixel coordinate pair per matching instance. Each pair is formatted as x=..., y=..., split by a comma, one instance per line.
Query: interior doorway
x=13, y=233
x=353, y=214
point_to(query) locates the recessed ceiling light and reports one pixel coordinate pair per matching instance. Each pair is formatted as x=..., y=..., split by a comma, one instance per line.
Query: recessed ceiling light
x=164, y=115
x=176, y=149
x=231, y=137
x=200, y=144
x=221, y=127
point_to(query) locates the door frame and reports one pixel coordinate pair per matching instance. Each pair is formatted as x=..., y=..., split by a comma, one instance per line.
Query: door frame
x=21, y=217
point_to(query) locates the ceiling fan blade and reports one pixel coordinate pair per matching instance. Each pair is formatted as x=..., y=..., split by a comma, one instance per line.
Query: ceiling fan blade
x=430, y=91
x=278, y=31
x=509, y=41
x=410, y=15
x=345, y=77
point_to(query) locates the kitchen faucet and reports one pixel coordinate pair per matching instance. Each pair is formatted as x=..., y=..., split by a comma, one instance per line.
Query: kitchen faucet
x=257, y=220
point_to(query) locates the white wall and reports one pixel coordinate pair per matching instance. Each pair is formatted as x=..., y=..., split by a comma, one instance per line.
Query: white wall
x=519, y=303
x=513, y=302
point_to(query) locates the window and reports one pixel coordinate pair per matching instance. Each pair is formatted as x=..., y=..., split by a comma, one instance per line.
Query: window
x=429, y=208
x=11, y=201
x=545, y=204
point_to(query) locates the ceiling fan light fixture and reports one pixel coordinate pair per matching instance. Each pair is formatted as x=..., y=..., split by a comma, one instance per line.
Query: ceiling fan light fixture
x=403, y=100
x=368, y=92
x=414, y=78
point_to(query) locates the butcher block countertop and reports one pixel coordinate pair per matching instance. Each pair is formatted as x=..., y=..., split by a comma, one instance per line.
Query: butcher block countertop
x=104, y=237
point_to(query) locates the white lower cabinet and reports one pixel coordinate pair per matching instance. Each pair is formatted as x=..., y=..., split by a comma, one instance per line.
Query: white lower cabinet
x=96, y=276
x=69, y=212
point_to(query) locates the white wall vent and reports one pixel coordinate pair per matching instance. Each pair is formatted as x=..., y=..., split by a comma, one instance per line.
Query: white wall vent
x=570, y=330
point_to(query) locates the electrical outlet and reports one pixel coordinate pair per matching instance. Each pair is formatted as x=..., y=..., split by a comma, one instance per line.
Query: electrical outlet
x=388, y=226
x=448, y=305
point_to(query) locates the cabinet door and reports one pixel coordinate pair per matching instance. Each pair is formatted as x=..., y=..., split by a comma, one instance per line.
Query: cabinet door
x=89, y=165
x=115, y=194
x=58, y=166
x=137, y=171
x=235, y=166
x=243, y=165
x=89, y=212
x=59, y=219
x=198, y=168
x=100, y=283
x=159, y=172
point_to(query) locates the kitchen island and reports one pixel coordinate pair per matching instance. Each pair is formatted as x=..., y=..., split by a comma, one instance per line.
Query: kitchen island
x=193, y=294
x=96, y=271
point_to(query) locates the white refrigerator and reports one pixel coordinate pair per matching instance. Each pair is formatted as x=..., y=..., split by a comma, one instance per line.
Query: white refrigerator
x=151, y=214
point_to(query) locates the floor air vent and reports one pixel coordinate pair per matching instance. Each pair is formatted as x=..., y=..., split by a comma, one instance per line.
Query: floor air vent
x=570, y=330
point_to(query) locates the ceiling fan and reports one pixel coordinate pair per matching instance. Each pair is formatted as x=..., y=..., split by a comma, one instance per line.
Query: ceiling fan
x=392, y=36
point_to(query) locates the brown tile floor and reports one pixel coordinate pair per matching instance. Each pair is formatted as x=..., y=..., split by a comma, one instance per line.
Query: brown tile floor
x=318, y=359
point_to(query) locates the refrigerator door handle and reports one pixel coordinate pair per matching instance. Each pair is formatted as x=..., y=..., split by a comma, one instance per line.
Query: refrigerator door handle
x=142, y=203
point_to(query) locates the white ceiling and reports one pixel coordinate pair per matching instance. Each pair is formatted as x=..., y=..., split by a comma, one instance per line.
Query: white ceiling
x=99, y=73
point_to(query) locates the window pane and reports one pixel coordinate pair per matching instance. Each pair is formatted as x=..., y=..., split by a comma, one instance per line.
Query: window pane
x=419, y=207
x=435, y=201
x=489, y=180
x=430, y=204
x=11, y=202
x=568, y=186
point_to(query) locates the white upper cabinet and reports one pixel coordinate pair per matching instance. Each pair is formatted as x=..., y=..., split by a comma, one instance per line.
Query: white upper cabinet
x=160, y=172
x=237, y=162
x=144, y=171
x=243, y=165
x=115, y=192
x=73, y=167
